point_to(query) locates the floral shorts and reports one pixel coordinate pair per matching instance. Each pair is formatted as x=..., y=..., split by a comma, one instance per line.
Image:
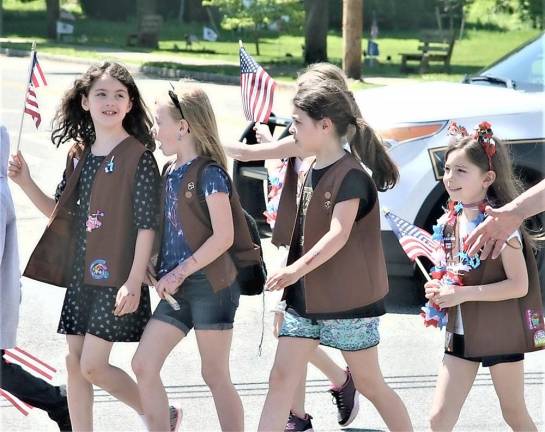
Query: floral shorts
x=352, y=334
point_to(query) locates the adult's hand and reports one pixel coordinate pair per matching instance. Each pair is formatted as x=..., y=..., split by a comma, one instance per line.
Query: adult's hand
x=491, y=235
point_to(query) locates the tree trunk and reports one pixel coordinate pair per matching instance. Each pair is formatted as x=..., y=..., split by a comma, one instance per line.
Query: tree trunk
x=352, y=33
x=256, y=35
x=316, y=24
x=181, y=11
x=53, y=11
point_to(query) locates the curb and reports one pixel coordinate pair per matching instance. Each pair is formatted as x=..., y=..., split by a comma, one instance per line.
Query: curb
x=148, y=71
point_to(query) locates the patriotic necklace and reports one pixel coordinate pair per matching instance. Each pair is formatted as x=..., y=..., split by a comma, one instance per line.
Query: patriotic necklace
x=455, y=260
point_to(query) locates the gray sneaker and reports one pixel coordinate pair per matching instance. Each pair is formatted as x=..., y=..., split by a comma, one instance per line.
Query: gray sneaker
x=347, y=401
x=297, y=424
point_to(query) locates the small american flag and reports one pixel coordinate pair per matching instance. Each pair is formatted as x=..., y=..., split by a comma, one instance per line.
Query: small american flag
x=257, y=89
x=414, y=241
x=37, y=79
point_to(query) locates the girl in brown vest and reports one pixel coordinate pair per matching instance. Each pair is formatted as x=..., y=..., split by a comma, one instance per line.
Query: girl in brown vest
x=297, y=162
x=494, y=306
x=201, y=230
x=101, y=229
x=335, y=280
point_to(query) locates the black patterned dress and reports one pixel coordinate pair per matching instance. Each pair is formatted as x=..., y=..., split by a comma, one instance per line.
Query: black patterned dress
x=89, y=309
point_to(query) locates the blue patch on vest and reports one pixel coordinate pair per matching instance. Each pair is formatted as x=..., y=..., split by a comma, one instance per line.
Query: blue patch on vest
x=99, y=269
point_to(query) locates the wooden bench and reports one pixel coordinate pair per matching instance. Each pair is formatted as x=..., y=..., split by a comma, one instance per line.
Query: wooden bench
x=147, y=34
x=433, y=47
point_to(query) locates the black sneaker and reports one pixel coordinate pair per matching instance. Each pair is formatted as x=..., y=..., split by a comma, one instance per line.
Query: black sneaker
x=175, y=418
x=347, y=401
x=61, y=416
x=297, y=424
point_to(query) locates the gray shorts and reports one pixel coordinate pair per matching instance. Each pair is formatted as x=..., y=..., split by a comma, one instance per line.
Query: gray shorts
x=200, y=306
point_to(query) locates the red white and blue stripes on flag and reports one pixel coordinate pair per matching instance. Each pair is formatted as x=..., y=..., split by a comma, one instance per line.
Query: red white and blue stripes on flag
x=37, y=79
x=257, y=89
x=414, y=240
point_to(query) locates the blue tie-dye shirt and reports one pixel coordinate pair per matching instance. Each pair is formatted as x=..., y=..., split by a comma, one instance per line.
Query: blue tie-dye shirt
x=174, y=248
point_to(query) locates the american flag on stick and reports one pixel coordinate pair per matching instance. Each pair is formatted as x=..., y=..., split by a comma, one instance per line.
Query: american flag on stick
x=33, y=365
x=257, y=89
x=37, y=79
x=414, y=241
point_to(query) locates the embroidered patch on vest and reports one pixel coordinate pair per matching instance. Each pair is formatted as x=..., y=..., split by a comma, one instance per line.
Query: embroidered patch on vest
x=92, y=221
x=533, y=319
x=327, y=195
x=327, y=204
x=99, y=269
x=109, y=168
x=188, y=194
x=190, y=186
x=539, y=338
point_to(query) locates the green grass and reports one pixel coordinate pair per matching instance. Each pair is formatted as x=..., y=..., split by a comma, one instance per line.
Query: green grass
x=280, y=55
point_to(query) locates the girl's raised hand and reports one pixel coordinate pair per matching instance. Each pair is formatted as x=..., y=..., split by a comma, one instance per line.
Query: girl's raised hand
x=18, y=170
x=127, y=299
x=262, y=133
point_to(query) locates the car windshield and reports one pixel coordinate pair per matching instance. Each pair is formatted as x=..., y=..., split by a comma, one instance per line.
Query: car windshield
x=522, y=67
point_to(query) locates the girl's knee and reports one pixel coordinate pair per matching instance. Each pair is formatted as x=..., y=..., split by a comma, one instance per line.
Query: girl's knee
x=280, y=376
x=141, y=367
x=515, y=416
x=93, y=371
x=73, y=365
x=215, y=377
x=370, y=387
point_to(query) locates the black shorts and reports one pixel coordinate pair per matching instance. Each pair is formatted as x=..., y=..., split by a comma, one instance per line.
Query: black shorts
x=487, y=361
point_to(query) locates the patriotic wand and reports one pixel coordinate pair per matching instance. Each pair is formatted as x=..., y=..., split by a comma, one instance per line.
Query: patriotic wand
x=26, y=92
x=416, y=242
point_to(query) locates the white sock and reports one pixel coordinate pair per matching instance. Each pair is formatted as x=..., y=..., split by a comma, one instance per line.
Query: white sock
x=143, y=418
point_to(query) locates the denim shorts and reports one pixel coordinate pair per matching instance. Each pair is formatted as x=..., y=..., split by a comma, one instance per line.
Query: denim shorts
x=200, y=306
x=351, y=334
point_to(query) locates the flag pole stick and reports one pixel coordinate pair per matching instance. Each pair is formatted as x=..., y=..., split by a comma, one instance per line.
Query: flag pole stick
x=422, y=269
x=26, y=93
x=240, y=43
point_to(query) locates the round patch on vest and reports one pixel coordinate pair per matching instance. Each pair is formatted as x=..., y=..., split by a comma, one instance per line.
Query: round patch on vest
x=539, y=338
x=190, y=186
x=99, y=269
x=327, y=195
x=188, y=194
x=327, y=204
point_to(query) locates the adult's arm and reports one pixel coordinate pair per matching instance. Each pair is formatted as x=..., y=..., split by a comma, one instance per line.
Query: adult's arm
x=501, y=222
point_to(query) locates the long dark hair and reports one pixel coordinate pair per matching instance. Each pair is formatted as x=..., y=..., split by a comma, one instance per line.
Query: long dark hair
x=507, y=186
x=73, y=123
x=327, y=99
